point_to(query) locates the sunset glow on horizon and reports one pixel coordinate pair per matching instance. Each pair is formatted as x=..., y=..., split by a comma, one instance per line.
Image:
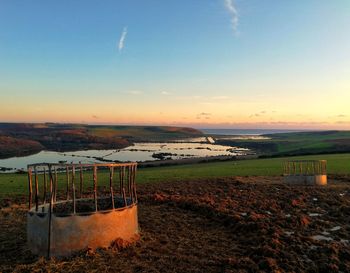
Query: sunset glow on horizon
x=204, y=64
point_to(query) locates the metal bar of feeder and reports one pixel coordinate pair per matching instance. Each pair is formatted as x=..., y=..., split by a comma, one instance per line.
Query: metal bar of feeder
x=122, y=171
x=111, y=172
x=126, y=180
x=67, y=182
x=73, y=189
x=124, y=198
x=129, y=182
x=55, y=186
x=50, y=212
x=95, y=186
x=36, y=190
x=134, y=183
x=81, y=182
x=294, y=168
x=120, y=180
x=45, y=186
x=130, y=177
x=30, y=188
x=289, y=167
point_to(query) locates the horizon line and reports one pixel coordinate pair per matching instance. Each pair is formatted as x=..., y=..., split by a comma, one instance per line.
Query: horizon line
x=198, y=127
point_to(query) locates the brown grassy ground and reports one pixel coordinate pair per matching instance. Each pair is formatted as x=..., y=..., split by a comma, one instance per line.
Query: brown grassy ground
x=240, y=224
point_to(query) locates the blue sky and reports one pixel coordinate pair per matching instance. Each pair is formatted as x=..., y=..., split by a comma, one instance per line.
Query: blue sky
x=282, y=64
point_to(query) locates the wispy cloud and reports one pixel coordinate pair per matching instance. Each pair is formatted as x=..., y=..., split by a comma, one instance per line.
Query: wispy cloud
x=261, y=113
x=203, y=115
x=165, y=93
x=220, y=98
x=122, y=39
x=204, y=98
x=338, y=116
x=342, y=122
x=133, y=92
x=231, y=8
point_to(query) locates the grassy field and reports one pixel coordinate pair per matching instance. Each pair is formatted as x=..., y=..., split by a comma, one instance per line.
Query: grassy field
x=311, y=141
x=301, y=143
x=16, y=184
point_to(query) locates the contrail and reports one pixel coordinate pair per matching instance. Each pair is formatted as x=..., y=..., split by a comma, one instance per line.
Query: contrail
x=230, y=6
x=122, y=39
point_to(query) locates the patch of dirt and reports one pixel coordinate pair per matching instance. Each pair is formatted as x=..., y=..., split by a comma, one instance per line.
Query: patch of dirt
x=238, y=224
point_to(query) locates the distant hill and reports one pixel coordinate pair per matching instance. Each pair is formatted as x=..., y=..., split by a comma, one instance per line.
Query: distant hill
x=27, y=138
x=10, y=146
x=301, y=143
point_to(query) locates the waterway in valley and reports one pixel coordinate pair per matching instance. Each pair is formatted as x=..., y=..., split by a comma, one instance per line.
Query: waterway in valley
x=139, y=152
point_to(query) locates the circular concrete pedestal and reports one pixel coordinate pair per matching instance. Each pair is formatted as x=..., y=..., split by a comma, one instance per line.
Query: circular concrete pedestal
x=67, y=234
x=318, y=180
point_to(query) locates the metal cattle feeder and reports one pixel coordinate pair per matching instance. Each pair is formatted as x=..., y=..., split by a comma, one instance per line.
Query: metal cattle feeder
x=70, y=215
x=305, y=172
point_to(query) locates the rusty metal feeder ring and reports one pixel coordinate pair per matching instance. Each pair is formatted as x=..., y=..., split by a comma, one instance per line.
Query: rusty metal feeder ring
x=305, y=172
x=61, y=222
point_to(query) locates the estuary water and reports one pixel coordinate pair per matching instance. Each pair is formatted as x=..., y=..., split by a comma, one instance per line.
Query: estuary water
x=139, y=152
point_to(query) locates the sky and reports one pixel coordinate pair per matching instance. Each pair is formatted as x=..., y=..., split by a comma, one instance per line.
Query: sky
x=198, y=63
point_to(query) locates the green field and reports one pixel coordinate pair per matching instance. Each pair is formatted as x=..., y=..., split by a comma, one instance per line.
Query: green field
x=301, y=143
x=16, y=184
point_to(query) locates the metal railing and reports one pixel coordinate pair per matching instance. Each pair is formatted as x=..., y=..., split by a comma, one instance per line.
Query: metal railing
x=305, y=167
x=44, y=177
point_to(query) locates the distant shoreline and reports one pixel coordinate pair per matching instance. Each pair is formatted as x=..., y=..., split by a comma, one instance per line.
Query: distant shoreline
x=187, y=161
x=230, y=132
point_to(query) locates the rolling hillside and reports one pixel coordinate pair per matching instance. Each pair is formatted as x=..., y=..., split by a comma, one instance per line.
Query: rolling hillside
x=23, y=138
x=290, y=144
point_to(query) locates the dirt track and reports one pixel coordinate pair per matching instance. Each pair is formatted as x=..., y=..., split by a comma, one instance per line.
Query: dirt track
x=239, y=224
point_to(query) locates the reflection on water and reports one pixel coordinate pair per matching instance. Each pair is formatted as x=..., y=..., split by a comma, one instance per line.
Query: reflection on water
x=138, y=152
x=244, y=137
